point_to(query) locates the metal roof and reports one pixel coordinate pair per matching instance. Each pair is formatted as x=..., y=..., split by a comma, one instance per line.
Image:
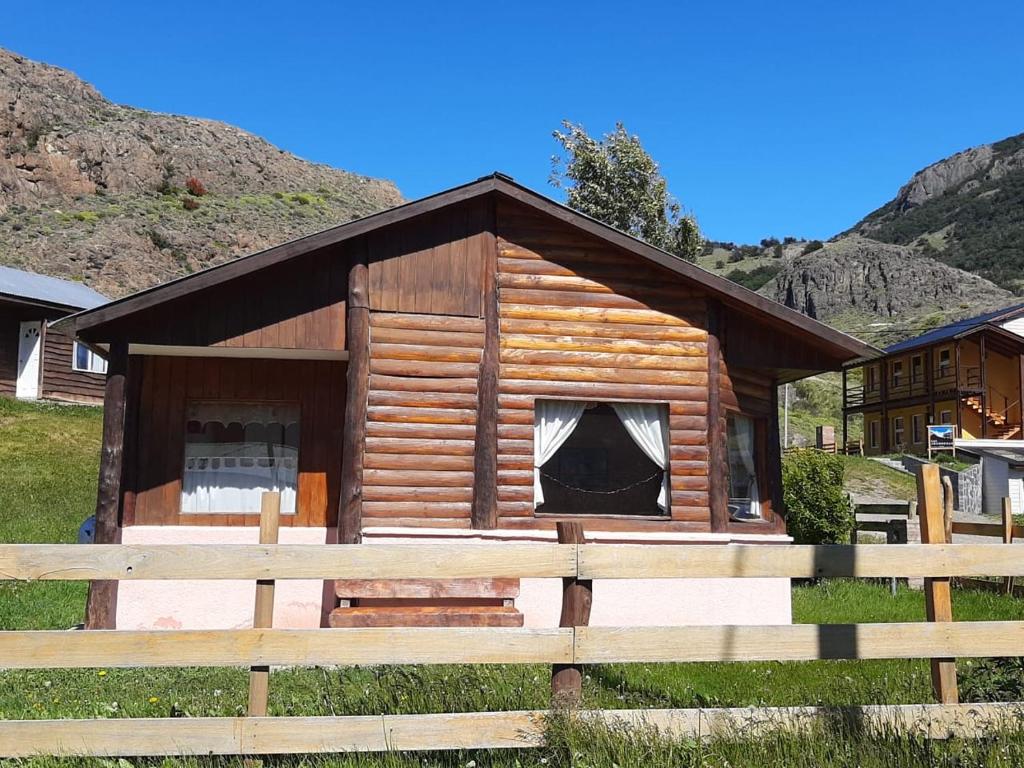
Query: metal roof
x=954, y=329
x=48, y=290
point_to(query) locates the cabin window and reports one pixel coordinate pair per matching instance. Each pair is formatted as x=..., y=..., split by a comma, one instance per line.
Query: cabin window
x=944, y=362
x=897, y=430
x=600, y=458
x=743, y=440
x=85, y=360
x=916, y=369
x=236, y=451
x=897, y=372
x=873, y=434
x=872, y=379
x=945, y=417
x=917, y=428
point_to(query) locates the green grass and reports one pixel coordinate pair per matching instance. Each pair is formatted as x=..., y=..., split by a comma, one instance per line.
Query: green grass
x=870, y=478
x=49, y=455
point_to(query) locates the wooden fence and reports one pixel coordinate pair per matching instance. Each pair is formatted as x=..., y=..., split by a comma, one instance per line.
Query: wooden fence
x=1005, y=530
x=261, y=648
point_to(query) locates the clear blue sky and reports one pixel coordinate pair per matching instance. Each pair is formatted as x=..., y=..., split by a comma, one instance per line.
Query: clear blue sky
x=767, y=118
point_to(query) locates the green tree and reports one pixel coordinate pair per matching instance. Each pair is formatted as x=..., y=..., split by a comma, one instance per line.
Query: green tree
x=614, y=180
x=818, y=511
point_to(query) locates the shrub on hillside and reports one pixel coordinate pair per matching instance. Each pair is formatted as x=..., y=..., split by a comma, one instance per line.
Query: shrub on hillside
x=818, y=511
x=189, y=203
x=811, y=247
x=195, y=187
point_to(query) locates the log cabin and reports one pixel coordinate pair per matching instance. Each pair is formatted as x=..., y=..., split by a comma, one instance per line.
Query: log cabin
x=38, y=361
x=476, y=365
x=968, y=374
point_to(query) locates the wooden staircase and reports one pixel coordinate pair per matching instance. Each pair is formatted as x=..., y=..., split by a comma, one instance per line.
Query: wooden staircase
x=999, y=429
x=426, y=603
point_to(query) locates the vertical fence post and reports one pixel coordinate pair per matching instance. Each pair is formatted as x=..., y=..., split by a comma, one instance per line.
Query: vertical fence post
x=263, y=612
x=577, y=596
x=947, y=508
x=1007, y=539
x=937, y=595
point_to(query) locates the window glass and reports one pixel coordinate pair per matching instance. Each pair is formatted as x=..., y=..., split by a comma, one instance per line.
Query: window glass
x=236, y=451
x=946, y=417
x=897, y=372
x=600, y=458
x=744, y=494
x=84, y=359
x=897, y=430
x=873, y=431
x=918, y=427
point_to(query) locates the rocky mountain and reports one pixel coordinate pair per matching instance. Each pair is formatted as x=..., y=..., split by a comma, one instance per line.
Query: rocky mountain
x=121, y=198
x=966, y=211
x=881, y=291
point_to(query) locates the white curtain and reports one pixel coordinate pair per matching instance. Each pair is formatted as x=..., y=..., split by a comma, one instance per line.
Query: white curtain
x=214, y=482
x=647, y=424
x=744, y=430
x=553, y=422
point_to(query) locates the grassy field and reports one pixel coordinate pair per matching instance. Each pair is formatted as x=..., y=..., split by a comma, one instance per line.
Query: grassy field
x=49, y=457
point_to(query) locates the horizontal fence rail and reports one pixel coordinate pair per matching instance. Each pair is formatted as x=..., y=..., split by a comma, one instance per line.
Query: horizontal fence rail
x=73, y=562
x=152, y=737
x=35, y=649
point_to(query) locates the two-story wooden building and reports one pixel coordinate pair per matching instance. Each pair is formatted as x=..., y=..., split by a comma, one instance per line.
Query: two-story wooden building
x=479, y=365
x=968, y=374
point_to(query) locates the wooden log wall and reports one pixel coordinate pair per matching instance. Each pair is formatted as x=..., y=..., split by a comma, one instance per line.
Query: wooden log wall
x=60, y=380
x=580, y=319
x=421, y=419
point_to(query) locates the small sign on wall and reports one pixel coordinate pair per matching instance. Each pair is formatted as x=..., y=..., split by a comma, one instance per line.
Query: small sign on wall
x=941, y=438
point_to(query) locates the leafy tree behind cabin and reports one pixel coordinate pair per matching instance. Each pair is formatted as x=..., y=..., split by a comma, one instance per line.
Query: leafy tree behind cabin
x=614, y=180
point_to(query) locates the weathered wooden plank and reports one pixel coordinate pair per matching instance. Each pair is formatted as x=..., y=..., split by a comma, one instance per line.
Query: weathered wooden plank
x=409, y=383
x=419, y=462
x=378, y=429
x=591, y=344
x=565, y=373
x=416, y=322
x=402, y=399
x=596, y=328
x=799, y=642
x=427, y=588
x=416, y=509
x=420, y=446
x=417, y=477
x=72, y=562
x=254, y=647
x=415, y=352
x=263, y=609
x=797, y=561
x=549, y=299
x=433, y=369
x=388, y=335
x=386, y=413
x=154, y=737
x=594, y=315
x=937, y=591
x=603, y=391
x=622, y=360
x=416, y=493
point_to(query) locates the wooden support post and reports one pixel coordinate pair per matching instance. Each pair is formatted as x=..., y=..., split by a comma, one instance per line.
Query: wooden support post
x=983, y=357
x=101, y=607
x=1007, y=539
x=845, y=403
x=577, y=597
x=773, y=461
x=937, y=596
x=718, y=469
x=484, y=511
x=947, y=508
x=959, y=394
x=263, y=611
x=883, y=385
x=357, y=340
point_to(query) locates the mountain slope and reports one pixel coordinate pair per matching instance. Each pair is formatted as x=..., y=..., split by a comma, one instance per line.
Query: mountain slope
x=966, y=211
x=95, y=191
x=884, y=292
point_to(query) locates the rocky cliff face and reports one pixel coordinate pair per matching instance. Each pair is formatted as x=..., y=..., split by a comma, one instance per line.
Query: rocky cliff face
x=94, y=191
x=857, y=283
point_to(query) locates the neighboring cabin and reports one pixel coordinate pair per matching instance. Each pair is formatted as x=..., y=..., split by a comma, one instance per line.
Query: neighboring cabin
x=476, y=365
x=36, y=360
x=967, y=374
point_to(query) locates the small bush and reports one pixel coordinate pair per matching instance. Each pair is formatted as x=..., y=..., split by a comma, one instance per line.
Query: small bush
x=195, y=187
x=777, y=251
x=788, y=240
x=818, y=511
x=189, y=203
x=992, y=679
x=811, y=247
x=720, y=264
x=89, y=216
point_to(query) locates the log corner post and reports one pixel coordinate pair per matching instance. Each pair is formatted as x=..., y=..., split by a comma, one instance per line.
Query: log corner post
x=484, y=511
x=937, y=594
x=717, y=468
x=357, y=340
x=577, y=597
x=101, y=607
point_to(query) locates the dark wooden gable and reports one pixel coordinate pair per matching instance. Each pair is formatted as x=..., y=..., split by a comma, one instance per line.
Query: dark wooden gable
x=295, y=305
x=432, y=264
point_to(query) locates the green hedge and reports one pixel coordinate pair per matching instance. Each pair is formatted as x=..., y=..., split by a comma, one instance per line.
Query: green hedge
x=818, y=510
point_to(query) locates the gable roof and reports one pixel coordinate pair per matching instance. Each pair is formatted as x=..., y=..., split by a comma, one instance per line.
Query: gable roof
x=956, y=329
x=500, y=184
x=51, y=291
